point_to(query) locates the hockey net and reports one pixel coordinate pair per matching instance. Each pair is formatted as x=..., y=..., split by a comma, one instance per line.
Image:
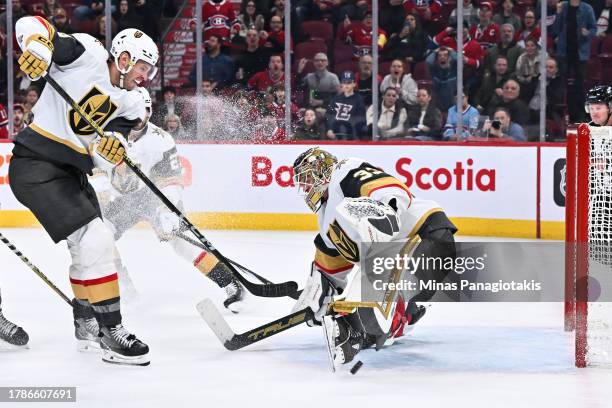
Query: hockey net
x=589, y=244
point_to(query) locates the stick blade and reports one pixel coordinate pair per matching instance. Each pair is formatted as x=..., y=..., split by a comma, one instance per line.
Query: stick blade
x=216, y=322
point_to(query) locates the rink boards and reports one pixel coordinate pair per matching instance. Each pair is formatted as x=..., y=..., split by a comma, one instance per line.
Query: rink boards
x=514, y=190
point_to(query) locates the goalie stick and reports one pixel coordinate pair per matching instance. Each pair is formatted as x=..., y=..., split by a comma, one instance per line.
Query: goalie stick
x=270, y=290
x=235, y=341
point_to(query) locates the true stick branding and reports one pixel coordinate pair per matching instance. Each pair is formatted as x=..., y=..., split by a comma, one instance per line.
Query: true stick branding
x=276, y=327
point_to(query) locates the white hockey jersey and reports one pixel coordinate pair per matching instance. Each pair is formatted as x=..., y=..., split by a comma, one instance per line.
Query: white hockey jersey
x=357, y=178
x=80, y=67
x=155, y=154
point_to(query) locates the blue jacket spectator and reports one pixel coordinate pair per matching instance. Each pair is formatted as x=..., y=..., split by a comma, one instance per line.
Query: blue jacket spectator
x=443, y=69
x=585, y=19
x=574, y=27
x=217, y=67
x=470, y=122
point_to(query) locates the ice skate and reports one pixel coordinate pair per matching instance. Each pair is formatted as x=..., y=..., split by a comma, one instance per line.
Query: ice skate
x=343, y=341
x=234, y=297
x=121, y=347
x=87, y=333
x=11, y=334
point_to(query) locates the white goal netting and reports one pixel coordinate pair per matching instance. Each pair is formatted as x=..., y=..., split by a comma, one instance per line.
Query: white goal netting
x=599, y=321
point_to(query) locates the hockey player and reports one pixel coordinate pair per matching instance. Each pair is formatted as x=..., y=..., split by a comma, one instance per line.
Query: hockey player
x=10, y=332
x=598, y=104
x=340, y=192
x=126, y=201
x=52, y=157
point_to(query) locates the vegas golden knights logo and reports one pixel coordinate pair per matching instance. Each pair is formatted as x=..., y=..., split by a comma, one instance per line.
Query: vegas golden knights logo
x=346, y=246
x=138, y=34
x=97, y=106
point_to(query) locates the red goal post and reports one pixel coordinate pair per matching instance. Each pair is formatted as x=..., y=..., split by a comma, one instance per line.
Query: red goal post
x=588, y=251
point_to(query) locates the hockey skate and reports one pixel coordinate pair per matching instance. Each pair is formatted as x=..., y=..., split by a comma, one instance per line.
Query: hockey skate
x=87, y=333
x=11, y=334
x=234, y=296
x=343, y=341
x=121, y=347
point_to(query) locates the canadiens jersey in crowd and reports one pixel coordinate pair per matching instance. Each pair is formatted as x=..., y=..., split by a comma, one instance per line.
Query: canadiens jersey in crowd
x=219, y=18
x=356, y=178
x=58, y=132
x=360, y=37
x=487, y=36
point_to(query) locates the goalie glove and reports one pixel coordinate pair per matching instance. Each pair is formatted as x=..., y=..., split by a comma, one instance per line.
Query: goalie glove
x=368, y=220
x=36, y=56
x=317, y=295
x=108, y=151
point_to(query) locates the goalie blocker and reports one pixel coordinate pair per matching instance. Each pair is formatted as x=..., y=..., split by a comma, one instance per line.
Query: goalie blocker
x=358, y=204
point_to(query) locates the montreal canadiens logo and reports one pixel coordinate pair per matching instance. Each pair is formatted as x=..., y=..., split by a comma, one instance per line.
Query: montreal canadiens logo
x=217, y=21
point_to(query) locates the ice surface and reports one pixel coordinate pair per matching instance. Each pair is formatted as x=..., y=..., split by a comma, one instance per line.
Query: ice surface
x=461, y=355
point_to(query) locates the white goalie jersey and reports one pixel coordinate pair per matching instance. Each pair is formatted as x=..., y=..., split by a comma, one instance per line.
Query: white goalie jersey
x=357, y=186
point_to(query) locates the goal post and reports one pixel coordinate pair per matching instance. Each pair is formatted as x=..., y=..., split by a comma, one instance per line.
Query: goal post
x=588, y=252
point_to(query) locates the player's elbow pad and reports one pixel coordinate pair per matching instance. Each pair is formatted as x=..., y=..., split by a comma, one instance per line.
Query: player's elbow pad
x=28, y=26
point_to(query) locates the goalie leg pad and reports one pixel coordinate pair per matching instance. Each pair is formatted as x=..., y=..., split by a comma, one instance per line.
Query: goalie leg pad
x=317, y=294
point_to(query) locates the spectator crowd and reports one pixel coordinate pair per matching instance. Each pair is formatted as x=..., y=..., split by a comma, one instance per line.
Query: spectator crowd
x=331, y=62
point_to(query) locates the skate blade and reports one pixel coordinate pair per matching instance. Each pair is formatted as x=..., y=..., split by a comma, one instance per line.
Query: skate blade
x=109, y=356
x=328, y=330
x=88, y=346
x=236, y=307
x=6, y=346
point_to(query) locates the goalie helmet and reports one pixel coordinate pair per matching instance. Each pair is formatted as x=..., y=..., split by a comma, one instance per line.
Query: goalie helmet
x=598, y=94
x=312, y=171
x=139, y=46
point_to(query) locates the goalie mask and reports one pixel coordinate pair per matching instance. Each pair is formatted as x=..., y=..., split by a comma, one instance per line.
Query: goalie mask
x=312, y=171
x=139, y=46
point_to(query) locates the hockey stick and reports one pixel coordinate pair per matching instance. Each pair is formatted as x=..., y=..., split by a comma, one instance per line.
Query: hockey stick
x=275, y=290
x=293, y=295
x=236, y=264
x=235, y=341
x=33, y=267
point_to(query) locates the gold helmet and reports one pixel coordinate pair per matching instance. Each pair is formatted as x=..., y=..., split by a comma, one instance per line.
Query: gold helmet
x=312, y=171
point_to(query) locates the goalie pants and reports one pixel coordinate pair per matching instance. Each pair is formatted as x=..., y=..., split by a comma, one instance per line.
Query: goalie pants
x=437, y=241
